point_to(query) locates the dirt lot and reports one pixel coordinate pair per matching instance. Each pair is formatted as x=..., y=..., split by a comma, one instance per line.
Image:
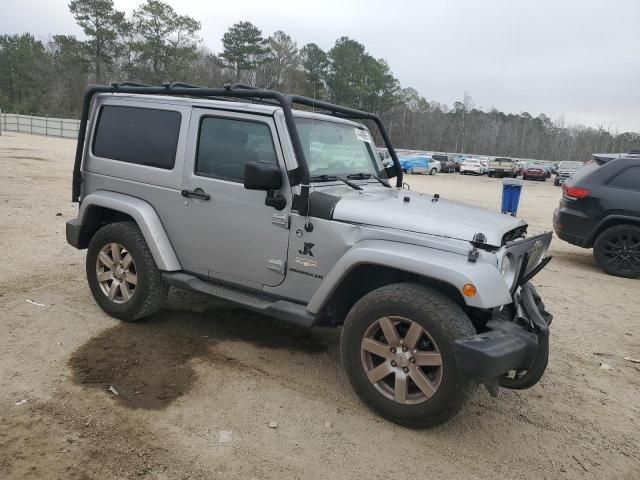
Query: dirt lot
x=201, y=367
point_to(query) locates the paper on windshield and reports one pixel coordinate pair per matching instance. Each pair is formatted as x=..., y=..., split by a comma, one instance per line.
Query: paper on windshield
x=363, y=135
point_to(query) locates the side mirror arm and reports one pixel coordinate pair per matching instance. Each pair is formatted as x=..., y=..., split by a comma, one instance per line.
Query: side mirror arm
x=275, y=200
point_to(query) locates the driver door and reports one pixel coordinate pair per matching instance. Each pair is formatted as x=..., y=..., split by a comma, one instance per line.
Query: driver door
x=229, y=234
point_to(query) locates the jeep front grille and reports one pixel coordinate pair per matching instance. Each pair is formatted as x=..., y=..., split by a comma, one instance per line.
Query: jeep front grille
x=528, y=253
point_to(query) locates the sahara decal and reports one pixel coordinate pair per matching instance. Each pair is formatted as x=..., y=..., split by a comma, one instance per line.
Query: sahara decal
x=308, y=274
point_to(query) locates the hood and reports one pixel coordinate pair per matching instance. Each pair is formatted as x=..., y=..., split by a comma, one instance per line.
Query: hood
x=420, y=213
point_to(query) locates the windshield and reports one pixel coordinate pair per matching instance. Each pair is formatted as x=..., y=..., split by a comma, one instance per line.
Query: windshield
x=471, y=160
x=572, y=165
x=333, y=148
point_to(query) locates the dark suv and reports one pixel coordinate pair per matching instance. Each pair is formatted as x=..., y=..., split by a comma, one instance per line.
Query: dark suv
x=600, y=209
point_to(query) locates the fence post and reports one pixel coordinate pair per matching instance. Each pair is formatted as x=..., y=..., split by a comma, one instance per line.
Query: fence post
x=0, y=122
x=31, y=124
x=46, y=125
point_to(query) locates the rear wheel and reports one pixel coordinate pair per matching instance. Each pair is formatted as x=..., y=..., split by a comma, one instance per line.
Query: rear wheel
x=433, y=171
x=617, y=251
x=122, y=275
x=397, y=349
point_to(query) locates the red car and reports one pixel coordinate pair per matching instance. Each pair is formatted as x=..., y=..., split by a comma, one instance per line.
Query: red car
x=534, y=172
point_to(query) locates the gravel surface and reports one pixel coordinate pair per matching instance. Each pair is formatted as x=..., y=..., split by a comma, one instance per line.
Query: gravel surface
x=199, y=383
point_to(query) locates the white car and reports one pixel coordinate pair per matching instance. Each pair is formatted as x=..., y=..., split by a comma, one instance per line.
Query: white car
x=472, y=165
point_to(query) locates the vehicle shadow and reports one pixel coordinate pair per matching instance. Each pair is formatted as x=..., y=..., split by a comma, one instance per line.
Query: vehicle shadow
x=149, y=363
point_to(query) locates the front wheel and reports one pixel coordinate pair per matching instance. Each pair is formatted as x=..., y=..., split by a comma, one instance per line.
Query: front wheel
x=433, y=171
x=122, y=274
x=397, y=348
x=617, y=251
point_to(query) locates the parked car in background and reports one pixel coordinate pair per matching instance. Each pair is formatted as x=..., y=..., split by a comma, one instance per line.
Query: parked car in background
x=565, y=170
x=458, y=159
x=471, y=165
x=534, y=171
x=520, y=166
x=485, y=165
x=419, y=164
x=447, y=165
x=600, y=209
x=502, y=167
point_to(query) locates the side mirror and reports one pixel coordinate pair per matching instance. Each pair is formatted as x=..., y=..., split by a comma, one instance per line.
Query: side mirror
x=265, y=176
x=262, y=176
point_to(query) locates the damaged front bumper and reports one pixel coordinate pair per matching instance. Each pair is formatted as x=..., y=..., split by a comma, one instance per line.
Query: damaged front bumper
x=514, y=350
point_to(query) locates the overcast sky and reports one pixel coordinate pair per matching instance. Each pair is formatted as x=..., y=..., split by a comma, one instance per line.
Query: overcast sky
x=579, y=59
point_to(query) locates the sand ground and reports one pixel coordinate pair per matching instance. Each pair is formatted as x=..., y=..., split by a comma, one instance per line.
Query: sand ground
x=200, y=367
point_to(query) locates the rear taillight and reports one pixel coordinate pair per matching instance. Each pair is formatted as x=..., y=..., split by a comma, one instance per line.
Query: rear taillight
x=574, y=193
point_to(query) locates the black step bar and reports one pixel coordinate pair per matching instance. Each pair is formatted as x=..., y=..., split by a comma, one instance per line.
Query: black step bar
x=236, y=91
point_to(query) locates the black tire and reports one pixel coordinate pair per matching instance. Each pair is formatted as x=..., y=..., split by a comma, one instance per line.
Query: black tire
x=607, y=245
x=433, y=171
x=556, y=182
x=442, y=319
x=150, y=290
x=491, y=175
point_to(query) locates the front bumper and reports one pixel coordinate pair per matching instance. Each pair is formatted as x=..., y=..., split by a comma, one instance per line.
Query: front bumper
x=519, y=343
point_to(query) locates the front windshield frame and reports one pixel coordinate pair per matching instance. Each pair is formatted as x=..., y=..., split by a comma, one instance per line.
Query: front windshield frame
x=334, y=148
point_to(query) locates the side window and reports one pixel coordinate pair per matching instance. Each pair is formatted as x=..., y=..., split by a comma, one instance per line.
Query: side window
x=225, y=145
x=628, y=179
x=143, y=136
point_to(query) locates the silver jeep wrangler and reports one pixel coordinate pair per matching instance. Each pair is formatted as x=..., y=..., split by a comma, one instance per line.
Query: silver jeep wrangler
x=233, y=193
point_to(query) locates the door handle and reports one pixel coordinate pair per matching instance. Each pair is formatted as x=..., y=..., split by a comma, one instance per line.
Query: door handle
x=196, y=193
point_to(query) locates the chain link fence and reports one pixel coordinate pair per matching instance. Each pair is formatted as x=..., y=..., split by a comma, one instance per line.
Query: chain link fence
x=51, y=127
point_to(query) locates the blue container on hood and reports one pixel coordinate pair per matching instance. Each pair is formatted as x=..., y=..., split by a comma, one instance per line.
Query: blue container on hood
x=511, y=190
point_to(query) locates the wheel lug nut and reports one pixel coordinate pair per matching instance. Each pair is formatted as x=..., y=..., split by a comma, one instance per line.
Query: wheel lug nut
x=405, y=370
x=412, y=360
x=393, y=363
x=393, y=350
x=404, y=349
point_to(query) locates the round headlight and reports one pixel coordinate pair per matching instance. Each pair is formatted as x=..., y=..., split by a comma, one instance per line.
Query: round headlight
x=508, y=269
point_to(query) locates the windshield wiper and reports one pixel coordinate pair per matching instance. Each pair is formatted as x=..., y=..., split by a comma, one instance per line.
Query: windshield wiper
x=332, y=178
x=367, y=176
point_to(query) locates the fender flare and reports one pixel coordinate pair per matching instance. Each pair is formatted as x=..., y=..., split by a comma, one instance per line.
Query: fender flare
x=145, y=217
x=610, y=221
x=451, y=268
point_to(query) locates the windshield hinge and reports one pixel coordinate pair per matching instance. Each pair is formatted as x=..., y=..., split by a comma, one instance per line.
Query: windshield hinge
x=281, y=220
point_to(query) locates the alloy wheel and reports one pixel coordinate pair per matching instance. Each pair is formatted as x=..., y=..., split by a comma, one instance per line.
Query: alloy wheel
x=622, y=252
x=116, y=273
x=401, y=360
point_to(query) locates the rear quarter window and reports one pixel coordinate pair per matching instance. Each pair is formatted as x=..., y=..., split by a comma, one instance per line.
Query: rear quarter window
x=628, y=179
x=143, y=136
x=584, y=171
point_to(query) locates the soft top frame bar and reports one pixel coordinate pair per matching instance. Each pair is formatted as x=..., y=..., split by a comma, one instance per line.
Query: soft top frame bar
x=236, y=91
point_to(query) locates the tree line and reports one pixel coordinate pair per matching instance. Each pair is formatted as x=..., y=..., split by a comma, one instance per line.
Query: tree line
x=155, y=44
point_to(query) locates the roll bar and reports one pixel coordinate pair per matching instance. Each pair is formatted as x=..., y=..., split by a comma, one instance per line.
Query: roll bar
x=299, y=176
